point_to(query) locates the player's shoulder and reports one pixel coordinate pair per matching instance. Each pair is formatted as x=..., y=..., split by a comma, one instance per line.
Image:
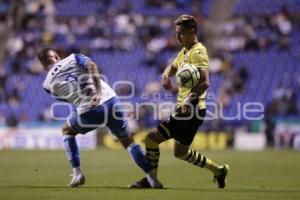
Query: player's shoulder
x=79, y=56
x=82, y=59
x=199, y=56
x=198, y=48
x=72, y=56
x=67, y=60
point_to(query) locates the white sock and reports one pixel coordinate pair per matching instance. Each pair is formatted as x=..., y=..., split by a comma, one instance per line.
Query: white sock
x=76, y=171
x=152, y=179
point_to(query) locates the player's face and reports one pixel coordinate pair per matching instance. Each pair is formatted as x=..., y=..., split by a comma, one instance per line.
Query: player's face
x=185, y=37
x=51, y=58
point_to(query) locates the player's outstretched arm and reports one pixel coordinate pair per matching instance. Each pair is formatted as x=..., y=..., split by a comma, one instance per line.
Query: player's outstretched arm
x=94, y=72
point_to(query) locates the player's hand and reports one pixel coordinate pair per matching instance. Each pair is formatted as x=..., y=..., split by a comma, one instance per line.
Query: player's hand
x=95, y=100
x=185, y=109
x=166, y=82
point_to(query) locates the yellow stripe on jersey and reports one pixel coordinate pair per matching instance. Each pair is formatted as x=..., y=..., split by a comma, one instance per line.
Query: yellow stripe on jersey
x=198, y=57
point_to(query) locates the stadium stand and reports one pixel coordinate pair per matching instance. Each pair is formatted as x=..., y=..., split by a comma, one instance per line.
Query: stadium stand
x=133, y=40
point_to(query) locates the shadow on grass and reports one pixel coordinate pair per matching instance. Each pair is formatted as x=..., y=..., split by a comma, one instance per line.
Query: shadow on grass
x=58, y=187
x=237, y=190
x=86, y=187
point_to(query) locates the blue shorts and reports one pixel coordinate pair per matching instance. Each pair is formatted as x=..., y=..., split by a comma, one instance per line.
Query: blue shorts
x=108, y=114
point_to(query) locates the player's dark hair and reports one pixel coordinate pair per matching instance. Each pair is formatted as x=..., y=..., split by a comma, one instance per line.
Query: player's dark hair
x=42, y=54
x=187, y=21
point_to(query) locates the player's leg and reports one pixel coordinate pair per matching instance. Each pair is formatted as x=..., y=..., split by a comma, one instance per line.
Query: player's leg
x=79, y=124
x=184, y=135
x=152, y=141
x=119, y=127
x=140, y=159
x=72, y=153
x=135, y=152
x=192, y=156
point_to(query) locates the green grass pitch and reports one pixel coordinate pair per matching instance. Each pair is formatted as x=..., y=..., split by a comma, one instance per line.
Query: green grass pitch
x=43, y=175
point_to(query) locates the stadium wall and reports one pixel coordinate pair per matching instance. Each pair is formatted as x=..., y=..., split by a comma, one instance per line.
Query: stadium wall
x=50, y=138
x=287, y=135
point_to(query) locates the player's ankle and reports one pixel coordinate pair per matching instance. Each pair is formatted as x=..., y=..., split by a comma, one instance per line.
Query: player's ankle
x=151, y=175
x=76, y=171
x=152, y=179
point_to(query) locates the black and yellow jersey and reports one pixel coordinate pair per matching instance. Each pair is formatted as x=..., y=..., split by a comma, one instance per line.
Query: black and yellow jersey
x=198, y=57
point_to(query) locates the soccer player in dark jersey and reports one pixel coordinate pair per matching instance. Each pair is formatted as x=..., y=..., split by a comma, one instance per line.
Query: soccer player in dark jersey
x=190, y=104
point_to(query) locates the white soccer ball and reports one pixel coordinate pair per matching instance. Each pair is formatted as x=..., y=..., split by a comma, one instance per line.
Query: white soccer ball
x=188, y=76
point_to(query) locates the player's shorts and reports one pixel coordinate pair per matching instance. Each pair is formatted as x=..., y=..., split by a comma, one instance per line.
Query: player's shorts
x=182, y=128
x=108, y=114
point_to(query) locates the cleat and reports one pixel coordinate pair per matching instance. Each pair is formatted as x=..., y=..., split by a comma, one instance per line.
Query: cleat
x=155, y=184
x=221, y=179
x=144, y=183
x=77, y=180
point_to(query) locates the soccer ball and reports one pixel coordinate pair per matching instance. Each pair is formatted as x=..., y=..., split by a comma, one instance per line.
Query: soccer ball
x=188, y=76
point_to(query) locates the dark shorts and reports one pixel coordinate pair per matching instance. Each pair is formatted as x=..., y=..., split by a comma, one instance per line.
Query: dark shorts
x=181, y=127
x=108, y=114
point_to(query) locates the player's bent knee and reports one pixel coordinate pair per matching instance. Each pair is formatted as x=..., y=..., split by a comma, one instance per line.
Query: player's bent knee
x=150, y=142
x=126, y=141
x=180, y=152
x=156, y=137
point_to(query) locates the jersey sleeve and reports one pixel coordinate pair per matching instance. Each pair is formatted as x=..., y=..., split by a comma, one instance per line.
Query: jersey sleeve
x=175, y=63
x=199, y=58
x=82, y=59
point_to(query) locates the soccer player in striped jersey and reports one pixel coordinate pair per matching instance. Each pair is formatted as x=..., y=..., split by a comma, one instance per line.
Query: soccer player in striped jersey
x=75, y=79
x=190, y=104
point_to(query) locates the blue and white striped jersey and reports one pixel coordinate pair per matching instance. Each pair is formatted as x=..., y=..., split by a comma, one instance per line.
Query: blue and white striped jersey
x=69, y=80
